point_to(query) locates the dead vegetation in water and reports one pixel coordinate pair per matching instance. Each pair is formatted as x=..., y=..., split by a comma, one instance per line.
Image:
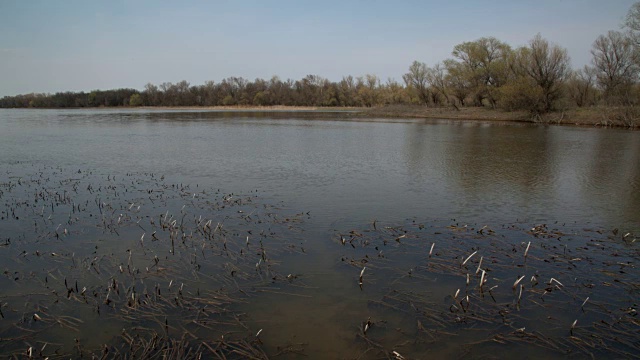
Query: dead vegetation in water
x=85, y=254
x=553, y=290
x=170, y=263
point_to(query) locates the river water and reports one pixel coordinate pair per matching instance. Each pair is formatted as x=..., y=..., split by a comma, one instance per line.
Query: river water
x=355, y=171
x=344, y=173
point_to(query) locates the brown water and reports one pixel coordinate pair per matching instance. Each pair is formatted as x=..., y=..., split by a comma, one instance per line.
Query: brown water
x=303, y=182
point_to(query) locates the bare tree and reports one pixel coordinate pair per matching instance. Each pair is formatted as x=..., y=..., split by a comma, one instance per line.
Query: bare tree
x=417, y=80
x=632, y=23
x=209, y=93
x=151, y=95
x=437, y=77
x=616, y=61
x=547, y=65
x=581, y=86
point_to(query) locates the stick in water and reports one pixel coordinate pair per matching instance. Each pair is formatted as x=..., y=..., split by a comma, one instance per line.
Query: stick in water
x=517, y=282
x=467, y=259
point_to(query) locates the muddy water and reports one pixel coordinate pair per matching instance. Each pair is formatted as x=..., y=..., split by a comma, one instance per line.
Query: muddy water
x=313, y=180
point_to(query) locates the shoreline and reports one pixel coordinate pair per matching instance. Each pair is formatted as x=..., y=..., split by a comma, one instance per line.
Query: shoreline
x=605, y=117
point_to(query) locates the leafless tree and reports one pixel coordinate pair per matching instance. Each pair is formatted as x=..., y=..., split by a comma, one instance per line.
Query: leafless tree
x=417, y=80
x=581, y=86
x=547, y=65
x=615, y=59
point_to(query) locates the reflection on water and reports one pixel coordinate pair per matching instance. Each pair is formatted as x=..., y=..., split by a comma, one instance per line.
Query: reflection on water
x=341, y=175
x=355, y=171
x=528, y=172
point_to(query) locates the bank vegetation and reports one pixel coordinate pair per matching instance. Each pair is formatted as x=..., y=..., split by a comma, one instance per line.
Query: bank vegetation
x=485, y=78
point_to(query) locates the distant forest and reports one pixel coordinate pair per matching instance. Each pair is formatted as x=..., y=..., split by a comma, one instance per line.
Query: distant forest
x=486, y=72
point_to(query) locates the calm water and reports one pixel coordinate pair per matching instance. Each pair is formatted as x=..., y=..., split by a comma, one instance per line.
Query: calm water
x=346, y=173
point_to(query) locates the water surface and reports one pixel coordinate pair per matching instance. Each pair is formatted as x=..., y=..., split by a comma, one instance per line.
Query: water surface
x=341, y=174
x=354, y=170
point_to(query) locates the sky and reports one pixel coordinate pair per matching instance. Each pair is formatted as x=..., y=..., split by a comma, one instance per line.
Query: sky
x=49, y=46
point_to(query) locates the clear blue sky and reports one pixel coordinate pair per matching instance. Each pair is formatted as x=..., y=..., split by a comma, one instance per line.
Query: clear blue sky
x=49, y=46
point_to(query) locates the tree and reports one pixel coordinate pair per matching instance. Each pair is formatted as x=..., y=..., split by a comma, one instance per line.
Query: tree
x=92, y=98
x=483, y=63
x=522, y=94
x=135, y=100
x=183, y=94
x=347, y=91
x=280, y=91
x=460, y=85
x=233, y=91
x=394, y=93
x=310, y=90
x=547, y=65
x=368, y=90
x=151, y=95
x=437, y=78
x=581, y=86
x=168, y=94
x=632, y=23
x=416, y=79
x=616, y=62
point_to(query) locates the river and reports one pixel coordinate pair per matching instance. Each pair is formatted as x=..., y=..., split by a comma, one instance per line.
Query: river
x=338, y=173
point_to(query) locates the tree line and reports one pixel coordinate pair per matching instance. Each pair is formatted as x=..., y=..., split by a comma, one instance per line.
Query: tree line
x=486, y=72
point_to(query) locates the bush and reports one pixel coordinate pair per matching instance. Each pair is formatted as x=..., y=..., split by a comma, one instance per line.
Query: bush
x=135, y=100
x=228, y=100
x=522, y=94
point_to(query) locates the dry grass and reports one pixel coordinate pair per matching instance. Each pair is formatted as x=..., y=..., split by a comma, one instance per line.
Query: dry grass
x=628, y=117
x=251, y=108
x=471, y=113
x=601, y=116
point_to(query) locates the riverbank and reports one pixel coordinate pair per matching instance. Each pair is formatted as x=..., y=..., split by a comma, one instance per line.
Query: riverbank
x=602, y=116
x=254, y=108
x=626, y=117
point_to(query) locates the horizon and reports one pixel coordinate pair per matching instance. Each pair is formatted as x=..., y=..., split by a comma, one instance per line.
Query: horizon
x=75, y=46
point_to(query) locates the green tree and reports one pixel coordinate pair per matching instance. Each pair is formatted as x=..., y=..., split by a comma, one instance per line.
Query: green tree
x=460, y=85
x=547, y=66
x=92, y=98
x=368, y=90
x=228, y=101
x=522, y=94
x=261, y=98
x=135, y=100
x=484, y=65
x=394, y=93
